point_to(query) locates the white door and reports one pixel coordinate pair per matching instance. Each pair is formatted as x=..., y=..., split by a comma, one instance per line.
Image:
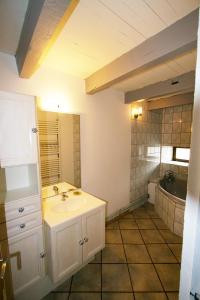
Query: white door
x=93, y=232
x=66, y=249
x=18, y=142
x=30, y=245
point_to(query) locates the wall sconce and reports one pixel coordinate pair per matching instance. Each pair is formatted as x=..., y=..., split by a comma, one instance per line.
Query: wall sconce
x=136, y=112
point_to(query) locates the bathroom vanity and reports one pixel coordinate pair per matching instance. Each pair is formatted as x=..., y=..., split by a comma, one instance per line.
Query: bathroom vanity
x=74, y=230
x=50, y=236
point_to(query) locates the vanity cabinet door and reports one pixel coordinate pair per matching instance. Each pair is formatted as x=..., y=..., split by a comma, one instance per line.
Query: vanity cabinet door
x=18, y=140
x=66, y=247
x=93, y=232
x=27, y=262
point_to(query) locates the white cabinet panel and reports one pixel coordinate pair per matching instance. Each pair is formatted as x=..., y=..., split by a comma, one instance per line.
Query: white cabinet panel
x=20, y=208
x=30, y=245
x=18, y=143
x=66, y=252
x=23, y=224
x=73, y=243
x=93, y=233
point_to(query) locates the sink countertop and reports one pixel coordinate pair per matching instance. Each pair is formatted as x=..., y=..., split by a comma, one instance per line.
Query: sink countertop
x=54, y=219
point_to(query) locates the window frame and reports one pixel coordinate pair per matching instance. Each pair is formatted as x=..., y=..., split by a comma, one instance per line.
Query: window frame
x=177, y=159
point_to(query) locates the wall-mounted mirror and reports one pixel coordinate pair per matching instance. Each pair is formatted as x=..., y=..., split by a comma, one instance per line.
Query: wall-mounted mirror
x=59, y=137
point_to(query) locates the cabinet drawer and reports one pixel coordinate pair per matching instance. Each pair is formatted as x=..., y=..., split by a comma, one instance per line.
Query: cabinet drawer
x=20, y=208
x=20, y=225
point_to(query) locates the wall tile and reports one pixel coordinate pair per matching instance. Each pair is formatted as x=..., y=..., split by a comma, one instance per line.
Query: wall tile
x=176, y=127
x=186, y=116
x=185, y=138
x=177, y=117
x=176, y=139
x=186, y=127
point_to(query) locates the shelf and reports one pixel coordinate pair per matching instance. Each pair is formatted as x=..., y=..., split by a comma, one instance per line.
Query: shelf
x=18, y=194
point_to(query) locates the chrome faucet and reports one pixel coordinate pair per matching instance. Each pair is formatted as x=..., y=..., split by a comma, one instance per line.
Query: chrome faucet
x=64, y=196
x=56, y=190
x=169, y=176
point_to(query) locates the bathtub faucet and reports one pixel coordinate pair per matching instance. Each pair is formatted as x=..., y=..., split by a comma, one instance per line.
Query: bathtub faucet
x=169, y=176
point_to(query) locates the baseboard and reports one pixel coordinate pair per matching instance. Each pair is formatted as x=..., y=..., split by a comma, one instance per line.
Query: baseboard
x=130, y=207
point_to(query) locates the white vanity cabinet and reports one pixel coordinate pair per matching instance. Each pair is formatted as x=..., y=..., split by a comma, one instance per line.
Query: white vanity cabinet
x=74, y=242
x=25, y=238
x=30, y=246
x=93, y=225
x=18, y=139
x=63, y=249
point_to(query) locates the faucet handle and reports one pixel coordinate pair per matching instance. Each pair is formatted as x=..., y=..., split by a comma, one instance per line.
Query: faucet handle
x=55, y=188
x=64, y=195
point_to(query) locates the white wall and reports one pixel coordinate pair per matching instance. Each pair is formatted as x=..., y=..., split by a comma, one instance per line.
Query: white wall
x=105, y=128
x=190, y=267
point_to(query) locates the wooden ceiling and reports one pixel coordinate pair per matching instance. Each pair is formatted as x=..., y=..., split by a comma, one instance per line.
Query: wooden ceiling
x=99, y=31
x=171, y=69
x=12, y=13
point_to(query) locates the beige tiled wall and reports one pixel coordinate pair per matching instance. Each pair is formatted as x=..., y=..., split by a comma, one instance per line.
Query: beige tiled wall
x=176, y=131
x=170, y=211
x=176, y=125
x=145, y=151
x=155, y=130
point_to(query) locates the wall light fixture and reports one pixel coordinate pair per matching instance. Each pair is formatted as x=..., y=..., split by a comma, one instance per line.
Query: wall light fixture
x=136, y=112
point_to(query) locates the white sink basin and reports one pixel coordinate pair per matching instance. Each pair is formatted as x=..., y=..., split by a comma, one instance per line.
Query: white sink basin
x=71, y=204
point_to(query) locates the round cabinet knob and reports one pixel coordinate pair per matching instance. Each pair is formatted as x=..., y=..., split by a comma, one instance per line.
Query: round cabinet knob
x=85, y=239
x=21, y=209
x=22, y=225
x=42, y=255
x=81, y=242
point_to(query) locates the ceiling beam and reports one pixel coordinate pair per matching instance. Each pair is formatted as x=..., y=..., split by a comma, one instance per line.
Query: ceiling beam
x=181, y=99
x=43, y=23
x=175, y=40
x=180, y=84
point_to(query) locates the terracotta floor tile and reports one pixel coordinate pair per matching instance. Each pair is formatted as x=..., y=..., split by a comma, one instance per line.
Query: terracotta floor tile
x=117, y=296
x=150, y=296
x=97, y=259
x=131, y=237
x=87, y=279
x=113, y=236
x=137, y=254
x=127, y=224
x=85, y=296
x=127, y=215
x=56, y=296
x=144, y=278
x=113, y=254
x=169, y=275
x=160, y=253
x=152, y=236
x=176, y=249
x=172, y=296
x=115, y=278
x=160, y=224
x=65, y=286
x=170, y=237
x=145, y=224
x=112, y=225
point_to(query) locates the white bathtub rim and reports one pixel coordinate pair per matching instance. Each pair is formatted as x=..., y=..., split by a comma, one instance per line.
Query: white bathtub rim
x=171, y=196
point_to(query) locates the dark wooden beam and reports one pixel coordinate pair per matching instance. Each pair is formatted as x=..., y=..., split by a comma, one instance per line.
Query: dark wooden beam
x=175, y=40
x=181, y=99
x=43, y=23
x=181, y=84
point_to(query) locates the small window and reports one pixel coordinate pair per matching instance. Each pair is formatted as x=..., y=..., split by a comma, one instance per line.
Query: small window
x=181, y=154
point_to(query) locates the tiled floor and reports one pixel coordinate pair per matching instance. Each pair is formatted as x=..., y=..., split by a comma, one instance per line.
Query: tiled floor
x=141, y=261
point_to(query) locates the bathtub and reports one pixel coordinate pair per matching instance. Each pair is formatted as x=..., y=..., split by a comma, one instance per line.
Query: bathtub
x=170, y=204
